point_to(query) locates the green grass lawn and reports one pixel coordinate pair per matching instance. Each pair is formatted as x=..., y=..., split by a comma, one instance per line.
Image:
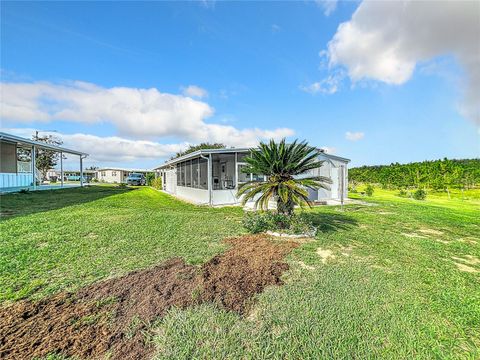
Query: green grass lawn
x=391, y=278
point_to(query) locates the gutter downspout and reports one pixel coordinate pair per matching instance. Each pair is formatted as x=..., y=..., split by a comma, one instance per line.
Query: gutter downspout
x=209, y=177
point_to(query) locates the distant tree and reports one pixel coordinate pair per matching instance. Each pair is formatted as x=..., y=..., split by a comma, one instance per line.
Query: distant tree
x=369, y=190
x=438, y=174
x=202, y=146
x=46, y=159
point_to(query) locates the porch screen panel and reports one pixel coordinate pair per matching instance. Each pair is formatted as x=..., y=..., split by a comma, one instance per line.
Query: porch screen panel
x=195, y=174
x=203, y=167
x=179, y=178
x=188, y=173
x=182, y=174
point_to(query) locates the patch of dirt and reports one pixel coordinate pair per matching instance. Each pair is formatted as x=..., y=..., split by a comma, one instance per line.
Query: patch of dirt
x=346, y=250
x=469, y=259
x=112, y=317
x=325, y=254
x=466, y=268
x=251, y=264
x=431, y=231
x=305, y=266
x=414, y=235
x=469, y=240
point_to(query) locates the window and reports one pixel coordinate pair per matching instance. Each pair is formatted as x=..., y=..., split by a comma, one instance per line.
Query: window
x=114, y=173
x=102, y=173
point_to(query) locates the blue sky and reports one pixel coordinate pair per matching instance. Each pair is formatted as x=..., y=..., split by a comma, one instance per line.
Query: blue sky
x=250, y=66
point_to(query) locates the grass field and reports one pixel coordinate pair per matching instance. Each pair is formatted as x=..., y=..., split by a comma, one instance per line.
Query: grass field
x=388, y=278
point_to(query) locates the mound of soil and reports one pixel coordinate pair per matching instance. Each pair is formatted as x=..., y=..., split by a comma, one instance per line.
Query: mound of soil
x=112, y=316
x=251, y=264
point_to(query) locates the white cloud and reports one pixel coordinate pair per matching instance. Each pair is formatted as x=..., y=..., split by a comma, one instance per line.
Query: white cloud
x=328, y=6
x=276, y=28
x=138, y=113
x=194, y=91
x=354, y=136
x=329, y=85
x=111, y=149
x=385, y=40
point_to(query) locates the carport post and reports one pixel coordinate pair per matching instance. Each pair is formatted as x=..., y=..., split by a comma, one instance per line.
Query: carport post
x=34, y=168
x=61, y=168
x=81, y=170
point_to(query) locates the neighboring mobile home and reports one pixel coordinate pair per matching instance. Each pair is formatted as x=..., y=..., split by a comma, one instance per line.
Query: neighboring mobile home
x=117, y=175
x=17, y=163
x=212, y=176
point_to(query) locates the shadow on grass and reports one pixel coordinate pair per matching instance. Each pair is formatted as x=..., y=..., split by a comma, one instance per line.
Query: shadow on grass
x=327, y=222
x=21, y=204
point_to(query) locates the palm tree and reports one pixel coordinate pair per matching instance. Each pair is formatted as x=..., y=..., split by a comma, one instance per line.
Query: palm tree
x=282, y=164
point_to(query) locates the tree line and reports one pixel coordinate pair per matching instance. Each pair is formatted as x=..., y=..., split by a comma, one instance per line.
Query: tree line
x=437, y=174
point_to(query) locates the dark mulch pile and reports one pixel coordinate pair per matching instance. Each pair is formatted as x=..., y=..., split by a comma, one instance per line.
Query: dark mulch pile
x=111, y=317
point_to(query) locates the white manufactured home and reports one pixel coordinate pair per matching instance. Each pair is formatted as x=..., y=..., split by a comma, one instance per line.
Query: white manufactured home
x=117, y=175
x=212, y=176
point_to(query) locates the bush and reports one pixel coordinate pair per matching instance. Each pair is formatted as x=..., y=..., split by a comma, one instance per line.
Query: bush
x=122, y=186
x=156, y=183
x=420, y=194
x=24, y=191
x=352, y=190
x=261, y=221
x=53, y=179
x=402, y=193
x=149, y=178
x=369, y=190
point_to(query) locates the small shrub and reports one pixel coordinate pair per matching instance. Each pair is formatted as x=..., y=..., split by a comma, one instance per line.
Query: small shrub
x=299, y=224
x=402, y=193
x=156, y=183
x=352, y=190
x=53, y=179
x=255, y=222
x=419, y=194
x=122, y=186
x=24, y=191
x=261, y=221
x=369, y=190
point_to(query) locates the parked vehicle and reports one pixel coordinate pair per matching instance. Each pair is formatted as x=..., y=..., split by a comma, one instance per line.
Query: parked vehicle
x=136, y=179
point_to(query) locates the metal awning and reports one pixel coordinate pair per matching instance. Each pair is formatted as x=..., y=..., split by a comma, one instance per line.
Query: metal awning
x=19, y=140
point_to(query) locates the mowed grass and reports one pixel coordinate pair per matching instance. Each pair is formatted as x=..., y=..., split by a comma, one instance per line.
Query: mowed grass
x=388, y=278
x=63, y=239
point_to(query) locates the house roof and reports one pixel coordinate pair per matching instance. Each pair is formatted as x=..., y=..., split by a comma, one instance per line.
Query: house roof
x=123, y=169
x=201, y=152
x=20, y=140
x=225, y=151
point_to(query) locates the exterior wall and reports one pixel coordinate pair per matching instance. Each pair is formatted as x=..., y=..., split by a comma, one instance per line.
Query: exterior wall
x=225, y=197
x=197, y=196
x=109, y=176
x=15, y=180
x=8, y=157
